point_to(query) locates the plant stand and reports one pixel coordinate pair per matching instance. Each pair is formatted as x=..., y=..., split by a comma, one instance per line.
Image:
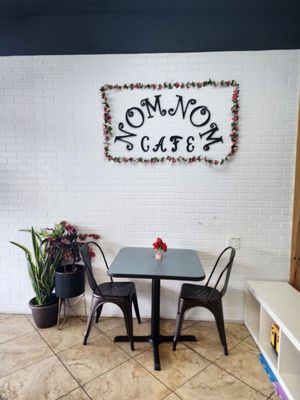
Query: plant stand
x=69, y=303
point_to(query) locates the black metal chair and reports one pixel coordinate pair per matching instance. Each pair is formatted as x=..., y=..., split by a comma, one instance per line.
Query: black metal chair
x=123, y=294
x=206, y=296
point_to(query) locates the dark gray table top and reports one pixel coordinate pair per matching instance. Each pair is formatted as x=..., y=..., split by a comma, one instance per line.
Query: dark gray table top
x=140, y=262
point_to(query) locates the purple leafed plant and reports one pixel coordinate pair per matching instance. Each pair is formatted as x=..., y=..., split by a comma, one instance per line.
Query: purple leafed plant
x=64, y=239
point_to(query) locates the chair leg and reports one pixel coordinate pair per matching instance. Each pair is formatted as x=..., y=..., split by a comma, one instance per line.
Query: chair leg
x=217, y=310
x=127, y=311
x=90, y=321
x=136, y=307
x=179, y=321
x=98, y=313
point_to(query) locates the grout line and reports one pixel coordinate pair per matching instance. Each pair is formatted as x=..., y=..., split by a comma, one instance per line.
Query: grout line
x=29, y=365
x=119, y=347
x=46, y=343
x=222, y=355
x=104, y=373
x=141, y=352
x=80, y=387
x=252, y=345
x=218, y=358
x=30, y=320
x=17, y=337
x=56, y=355
x=154, y=376
x=198, y=373
x=199, y=354
x=170, y=395
x=22, y=334
x=66, y=394
x=72, y=376
x=236, y=377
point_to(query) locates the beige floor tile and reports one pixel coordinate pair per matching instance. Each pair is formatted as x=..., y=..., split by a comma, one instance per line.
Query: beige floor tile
x=106, y=324
x=249, y=340
x=168, y=325
x=214, y=384
x=97, y=357
x=13, y=327
x=20, y=352
x=128, y=381
x=77, y=394
x=47, y=379
x=142, y=329
x=237, y=330
x=176, y=366
x=244, y=364
x=72, y=333
x=208, y=340
x=4, y=315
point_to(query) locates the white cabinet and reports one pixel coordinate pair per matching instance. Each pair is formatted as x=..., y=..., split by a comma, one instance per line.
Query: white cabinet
x=269, y=302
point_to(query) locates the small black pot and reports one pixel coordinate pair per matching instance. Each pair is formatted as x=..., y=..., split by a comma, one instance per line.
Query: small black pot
x=46, y=315
x=69, y=283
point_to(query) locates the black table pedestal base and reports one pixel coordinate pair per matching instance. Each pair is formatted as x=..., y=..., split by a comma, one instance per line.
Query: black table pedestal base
x=155, y=338
x=155, y=343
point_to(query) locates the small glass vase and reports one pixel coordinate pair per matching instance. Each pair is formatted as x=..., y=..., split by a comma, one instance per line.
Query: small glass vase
x=158, y=255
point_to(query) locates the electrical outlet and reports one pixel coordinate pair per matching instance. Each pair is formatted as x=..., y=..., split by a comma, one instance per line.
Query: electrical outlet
x=235, y=242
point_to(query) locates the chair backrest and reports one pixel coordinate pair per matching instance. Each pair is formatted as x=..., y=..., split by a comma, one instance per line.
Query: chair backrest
x=86, y=257
x=226, y=269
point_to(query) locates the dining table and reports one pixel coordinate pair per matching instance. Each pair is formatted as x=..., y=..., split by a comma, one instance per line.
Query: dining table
x=140, y=263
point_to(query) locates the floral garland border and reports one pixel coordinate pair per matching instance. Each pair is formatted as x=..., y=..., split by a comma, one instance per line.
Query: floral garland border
x=108, y=131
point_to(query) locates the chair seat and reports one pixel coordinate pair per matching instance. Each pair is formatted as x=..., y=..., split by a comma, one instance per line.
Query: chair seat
x=116, y=289
x=199, y=293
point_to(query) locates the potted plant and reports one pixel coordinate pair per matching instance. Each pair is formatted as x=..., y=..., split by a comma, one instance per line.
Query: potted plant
x=41, y=268
x=65, y=241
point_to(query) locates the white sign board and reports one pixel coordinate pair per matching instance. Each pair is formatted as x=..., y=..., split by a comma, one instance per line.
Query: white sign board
x=171, y=122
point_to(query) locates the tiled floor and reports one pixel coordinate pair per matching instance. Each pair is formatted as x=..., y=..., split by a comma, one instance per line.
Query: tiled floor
x=49, y=364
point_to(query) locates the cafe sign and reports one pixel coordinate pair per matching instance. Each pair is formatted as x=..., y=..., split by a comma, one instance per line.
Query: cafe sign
x=176, y=122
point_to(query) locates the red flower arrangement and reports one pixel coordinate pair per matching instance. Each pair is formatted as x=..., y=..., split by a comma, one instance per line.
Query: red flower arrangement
x=159, y=245
x=65, y=240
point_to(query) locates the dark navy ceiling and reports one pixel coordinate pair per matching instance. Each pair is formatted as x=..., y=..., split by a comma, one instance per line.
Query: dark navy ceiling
x=33, y=27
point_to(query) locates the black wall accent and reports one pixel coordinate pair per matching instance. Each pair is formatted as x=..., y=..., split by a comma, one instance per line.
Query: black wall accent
x=36, y=27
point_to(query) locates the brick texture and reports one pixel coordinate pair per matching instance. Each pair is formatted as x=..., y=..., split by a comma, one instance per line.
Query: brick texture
x=52, y=167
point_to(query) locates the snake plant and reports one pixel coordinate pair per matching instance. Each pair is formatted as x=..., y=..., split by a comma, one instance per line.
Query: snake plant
x=41, y=268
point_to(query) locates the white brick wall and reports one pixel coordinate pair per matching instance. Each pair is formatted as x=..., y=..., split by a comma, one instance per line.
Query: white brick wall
x=52, y=168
